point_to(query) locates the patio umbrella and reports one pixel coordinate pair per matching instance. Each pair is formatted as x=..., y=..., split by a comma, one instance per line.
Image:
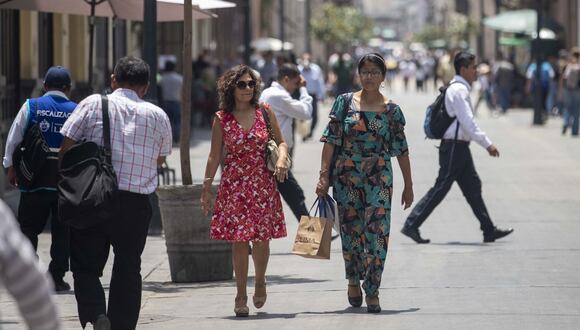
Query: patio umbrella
x=271, y=44
x=167, y=11
x=522, y=21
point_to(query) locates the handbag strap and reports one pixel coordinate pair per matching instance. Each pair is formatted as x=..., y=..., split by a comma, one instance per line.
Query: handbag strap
x=348, y=100
x=268, y=125
x=106, y=128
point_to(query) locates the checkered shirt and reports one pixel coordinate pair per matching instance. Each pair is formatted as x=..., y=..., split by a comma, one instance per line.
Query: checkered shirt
x=140, y=133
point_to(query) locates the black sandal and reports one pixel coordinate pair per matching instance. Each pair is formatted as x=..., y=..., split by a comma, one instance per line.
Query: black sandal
x=373, y=308
x=355, y=301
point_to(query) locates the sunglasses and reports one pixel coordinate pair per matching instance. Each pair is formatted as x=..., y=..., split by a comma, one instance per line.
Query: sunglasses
x=243, y=84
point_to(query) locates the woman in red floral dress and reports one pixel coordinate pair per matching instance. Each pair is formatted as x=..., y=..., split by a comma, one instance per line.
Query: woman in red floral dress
x=247, y=207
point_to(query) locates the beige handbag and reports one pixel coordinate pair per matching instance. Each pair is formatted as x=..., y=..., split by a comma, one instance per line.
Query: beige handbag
x=272, y=152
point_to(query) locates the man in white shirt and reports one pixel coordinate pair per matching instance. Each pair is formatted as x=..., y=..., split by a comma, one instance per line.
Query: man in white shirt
x=287, y=109
x=140, y=141
x=455, y=160
x=38, y=196
x=314, y=77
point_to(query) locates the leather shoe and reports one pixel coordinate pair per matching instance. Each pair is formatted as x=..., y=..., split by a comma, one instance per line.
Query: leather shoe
x=414, y=234
x=60, y=285
x=102, y=323
x=497, y=233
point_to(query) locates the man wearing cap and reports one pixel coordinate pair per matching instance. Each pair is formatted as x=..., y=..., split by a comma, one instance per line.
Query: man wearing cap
x=39, y=200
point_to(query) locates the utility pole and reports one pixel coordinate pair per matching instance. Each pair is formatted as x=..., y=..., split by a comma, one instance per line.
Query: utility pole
x=307, y=18
x=537, y=52
x=282, y=23
x=150, y=46
x=247, y=32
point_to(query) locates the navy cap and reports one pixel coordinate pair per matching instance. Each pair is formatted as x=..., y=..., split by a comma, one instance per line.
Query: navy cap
x=57, y=76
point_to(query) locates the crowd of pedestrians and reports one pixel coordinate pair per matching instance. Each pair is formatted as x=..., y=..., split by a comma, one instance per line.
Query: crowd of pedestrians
x=256, y=104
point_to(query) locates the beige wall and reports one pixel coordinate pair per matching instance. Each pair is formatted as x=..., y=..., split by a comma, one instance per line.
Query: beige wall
x=28, y=45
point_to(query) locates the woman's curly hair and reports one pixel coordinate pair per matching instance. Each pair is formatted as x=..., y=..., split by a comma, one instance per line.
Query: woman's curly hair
x=227, y=84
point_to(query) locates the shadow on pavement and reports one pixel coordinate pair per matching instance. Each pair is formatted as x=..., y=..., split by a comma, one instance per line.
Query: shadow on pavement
x=462, y=244
x=170, y=287
x=349, y=310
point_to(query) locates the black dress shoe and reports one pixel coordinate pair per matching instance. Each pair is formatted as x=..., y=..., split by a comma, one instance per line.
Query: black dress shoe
x=414, y=235
x=102, y=323
x=497, y=233
x=60, y=285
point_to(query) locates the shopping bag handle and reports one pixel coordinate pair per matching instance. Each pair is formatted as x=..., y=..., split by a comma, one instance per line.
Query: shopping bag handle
x=318, y=209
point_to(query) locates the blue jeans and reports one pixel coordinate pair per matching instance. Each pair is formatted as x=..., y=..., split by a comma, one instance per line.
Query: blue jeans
x=173, y=110
x=573, y=109
x=504, y=98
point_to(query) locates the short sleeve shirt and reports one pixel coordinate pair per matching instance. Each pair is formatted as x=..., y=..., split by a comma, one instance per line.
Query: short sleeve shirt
x=140, y=133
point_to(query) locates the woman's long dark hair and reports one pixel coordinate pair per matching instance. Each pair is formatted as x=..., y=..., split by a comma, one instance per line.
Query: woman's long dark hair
x=227, y=84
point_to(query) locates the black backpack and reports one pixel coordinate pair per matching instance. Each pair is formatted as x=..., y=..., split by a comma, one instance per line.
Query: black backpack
x=437, y=121
x=29, y=157
x=88, y=189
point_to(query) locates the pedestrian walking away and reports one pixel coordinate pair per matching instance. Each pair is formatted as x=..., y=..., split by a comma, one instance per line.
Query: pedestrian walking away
x=171, y=84
x=247, y=206
x=368, y=130
x=140, y=141
x=314, y=78
x=570, y=84
x=286, y=109
x=23, y=277
x=38, y=199
x=455, y=160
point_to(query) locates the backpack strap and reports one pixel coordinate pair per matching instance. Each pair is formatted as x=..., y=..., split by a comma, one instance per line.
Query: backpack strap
x=106, y=128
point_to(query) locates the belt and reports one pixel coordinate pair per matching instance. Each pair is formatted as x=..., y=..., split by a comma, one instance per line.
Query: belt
x=454, y=141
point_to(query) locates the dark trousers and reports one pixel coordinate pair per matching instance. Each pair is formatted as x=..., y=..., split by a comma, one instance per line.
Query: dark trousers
x=126, y=233
x=454, y=166
x=314, y=115
x=33, y=212
x=293, y=195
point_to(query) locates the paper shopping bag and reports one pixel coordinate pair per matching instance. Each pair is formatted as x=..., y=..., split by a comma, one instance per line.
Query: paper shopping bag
x=313, y=238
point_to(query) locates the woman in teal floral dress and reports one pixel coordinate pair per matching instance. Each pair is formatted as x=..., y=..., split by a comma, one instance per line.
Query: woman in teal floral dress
x=368, y=130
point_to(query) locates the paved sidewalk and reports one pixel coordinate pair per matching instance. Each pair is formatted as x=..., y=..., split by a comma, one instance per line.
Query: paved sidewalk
x=529, y=280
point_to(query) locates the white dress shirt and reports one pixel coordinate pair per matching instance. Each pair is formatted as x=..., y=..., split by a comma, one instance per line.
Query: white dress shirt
x=458, y=104
x=286, y=108
x=18, y=128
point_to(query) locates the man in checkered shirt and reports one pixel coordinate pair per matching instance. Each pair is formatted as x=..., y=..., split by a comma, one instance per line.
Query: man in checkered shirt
x=140, y=141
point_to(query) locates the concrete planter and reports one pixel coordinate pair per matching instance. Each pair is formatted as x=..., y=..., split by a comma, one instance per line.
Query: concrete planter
x=193, y=257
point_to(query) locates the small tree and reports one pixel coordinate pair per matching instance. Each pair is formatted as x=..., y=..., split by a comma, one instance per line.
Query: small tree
x=186, y=96
x=341, y=26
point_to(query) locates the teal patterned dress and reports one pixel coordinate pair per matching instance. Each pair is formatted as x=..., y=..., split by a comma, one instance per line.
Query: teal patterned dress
x=363, y=184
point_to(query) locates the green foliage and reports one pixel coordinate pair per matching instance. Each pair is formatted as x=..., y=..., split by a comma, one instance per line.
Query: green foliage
x=457, y=31
x=341, y=26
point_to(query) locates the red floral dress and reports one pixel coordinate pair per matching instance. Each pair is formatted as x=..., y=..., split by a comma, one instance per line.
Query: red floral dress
x=248, y=206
